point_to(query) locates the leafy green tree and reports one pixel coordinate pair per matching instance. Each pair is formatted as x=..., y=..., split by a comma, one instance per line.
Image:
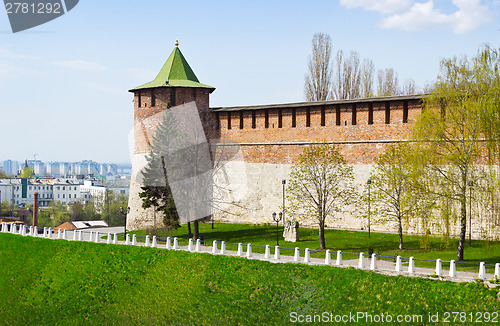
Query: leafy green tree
x=396, y=190
x=320, y=185
x=27, y=173
x=449, y=131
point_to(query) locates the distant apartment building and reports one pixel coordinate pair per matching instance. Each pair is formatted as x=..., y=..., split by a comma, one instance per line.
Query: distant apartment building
x=21, y=192
x=10, y=167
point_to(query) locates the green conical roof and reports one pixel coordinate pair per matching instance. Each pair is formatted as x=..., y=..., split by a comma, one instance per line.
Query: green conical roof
x=176, y=72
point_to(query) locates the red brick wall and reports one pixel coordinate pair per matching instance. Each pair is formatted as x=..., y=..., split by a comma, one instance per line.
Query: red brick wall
x=357, y=142
x=164, y=97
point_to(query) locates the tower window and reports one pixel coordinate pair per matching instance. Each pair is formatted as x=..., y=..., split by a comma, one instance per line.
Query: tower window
x=266, y=118
x=388, y=112
x=370, y=113
x=229, y=120
x=308, y=117
x=153, y=98
x=337, y=115
x=241, y=119
x=323, y=117
x=280, y=118
x=354, y=114
x=254, y=120
x=405, y=111
x=294, y=118
x=139, y=99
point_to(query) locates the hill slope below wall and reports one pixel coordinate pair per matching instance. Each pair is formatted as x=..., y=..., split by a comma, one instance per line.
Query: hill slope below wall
x=46, y=282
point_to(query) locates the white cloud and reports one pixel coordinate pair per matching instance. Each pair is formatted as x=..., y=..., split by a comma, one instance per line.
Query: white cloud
x=80, y=65
x=470, y=14
x=416, y=16
x=382, y=6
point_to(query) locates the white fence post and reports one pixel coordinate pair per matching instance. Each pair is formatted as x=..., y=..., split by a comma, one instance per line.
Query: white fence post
x=97, y=237
x=35, y=231
x=74, y=235
x=153, y=244
x=223, y=248
x=168, y=244
x=91, y=237
x=127, y=239
x=276, y=253
x=64, y=234
x=497, y=270
x=115, y=238
x=411, y=266
x=338, y=262
x=109, y=238
x=176, y=243
x=482, y=271
x=249, y=251
x=296, y=256
x=328, y=258
x=240, y=249
x=438, y=267
x=59, y=233
x=267, y=253
x=146, y=243
x=198, y=245
x=190, y=244
x=80, y=235
x=361, y=263
x=307, y=256
x=399, y=265
x=214, y=247
x=453, y=269
x=134, y=240
x=373, y=263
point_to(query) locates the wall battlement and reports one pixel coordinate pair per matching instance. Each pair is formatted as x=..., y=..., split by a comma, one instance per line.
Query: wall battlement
x=360, y=127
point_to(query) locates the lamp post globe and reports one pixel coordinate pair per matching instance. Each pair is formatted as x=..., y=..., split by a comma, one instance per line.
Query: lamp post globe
x=277, y=219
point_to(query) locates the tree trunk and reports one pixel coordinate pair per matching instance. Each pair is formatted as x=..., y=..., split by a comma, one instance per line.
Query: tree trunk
x=400, y=232
x=196, y=233
x=189, y=231
x=463, y=227
x=322, y=235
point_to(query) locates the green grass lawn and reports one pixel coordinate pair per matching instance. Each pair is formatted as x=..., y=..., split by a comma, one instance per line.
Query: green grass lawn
x=347, y=241
x=58, y=282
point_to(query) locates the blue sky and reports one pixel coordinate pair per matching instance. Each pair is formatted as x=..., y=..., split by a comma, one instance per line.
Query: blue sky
x=63, y=85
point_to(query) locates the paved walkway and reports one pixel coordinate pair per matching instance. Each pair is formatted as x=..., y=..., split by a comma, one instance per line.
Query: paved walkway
x=386, y=267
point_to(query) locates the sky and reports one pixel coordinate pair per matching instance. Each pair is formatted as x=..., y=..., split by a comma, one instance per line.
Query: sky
x=64, y=84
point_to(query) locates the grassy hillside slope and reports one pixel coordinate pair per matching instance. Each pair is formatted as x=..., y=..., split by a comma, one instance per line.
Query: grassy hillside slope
x=48, y=282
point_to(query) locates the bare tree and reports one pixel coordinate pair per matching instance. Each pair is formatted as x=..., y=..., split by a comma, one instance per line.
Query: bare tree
x=318, y=80
x=348, y=78
x=367, y=72
x=409, y=87
x=387, y=83
x=320, y=185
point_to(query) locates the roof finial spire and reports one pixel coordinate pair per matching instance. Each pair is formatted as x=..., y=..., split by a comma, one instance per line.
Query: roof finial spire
x=177, y=42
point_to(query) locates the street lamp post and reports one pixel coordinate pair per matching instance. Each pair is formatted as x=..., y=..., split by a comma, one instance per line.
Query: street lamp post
x=277, y=219
x=369, y=182
x=283, y=182
x=471, y=183
x=125, y=215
